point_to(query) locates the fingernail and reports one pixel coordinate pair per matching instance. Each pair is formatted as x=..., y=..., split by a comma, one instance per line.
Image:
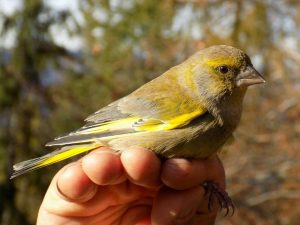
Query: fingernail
x=72, y=184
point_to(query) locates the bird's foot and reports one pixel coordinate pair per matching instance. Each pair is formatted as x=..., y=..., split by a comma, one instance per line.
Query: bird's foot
x=214, y=191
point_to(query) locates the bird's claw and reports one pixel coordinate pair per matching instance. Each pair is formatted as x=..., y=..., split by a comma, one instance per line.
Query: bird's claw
x=213, y=190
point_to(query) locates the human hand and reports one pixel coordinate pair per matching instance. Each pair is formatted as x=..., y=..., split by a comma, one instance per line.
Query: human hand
x=132, y=188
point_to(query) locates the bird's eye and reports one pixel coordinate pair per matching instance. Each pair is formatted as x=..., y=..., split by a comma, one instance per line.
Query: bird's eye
x=223, y=69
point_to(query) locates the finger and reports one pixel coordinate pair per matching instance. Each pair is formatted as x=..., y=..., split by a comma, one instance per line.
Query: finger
x=179, y=207
x=73, y=184
x=137, y=215
x=142, y=167
x=216, y=171
x=103, y=167
x=185, y=173
x=62, y=199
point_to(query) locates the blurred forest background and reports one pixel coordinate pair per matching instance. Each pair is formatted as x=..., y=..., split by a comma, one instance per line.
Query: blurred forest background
x=62, y=60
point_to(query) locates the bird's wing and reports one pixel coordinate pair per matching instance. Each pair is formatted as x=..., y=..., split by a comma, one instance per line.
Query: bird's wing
x=166, y=102
x=150, y=108
x=151, y=113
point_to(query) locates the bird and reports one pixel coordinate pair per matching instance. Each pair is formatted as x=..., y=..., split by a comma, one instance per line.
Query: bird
x=190, y=111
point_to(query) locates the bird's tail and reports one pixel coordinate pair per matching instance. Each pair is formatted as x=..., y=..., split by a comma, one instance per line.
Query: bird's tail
x=53, y=157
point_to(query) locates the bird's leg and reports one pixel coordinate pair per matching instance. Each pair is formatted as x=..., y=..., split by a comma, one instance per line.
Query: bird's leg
x=214, y=191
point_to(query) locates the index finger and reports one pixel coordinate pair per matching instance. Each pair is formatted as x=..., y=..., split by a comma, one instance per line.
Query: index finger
x=182, y=174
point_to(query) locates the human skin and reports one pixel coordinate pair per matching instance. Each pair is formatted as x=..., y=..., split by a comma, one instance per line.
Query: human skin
x=131, y=188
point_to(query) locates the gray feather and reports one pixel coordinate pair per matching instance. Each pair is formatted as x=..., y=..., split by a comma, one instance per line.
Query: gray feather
x=109, y=113
x=74, y=138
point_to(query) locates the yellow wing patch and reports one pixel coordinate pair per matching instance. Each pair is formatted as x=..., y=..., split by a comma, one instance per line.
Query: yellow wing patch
x=178, y=121
x=140, y=124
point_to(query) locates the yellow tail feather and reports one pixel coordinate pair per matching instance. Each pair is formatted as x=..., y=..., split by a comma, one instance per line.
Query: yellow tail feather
x=53, y=157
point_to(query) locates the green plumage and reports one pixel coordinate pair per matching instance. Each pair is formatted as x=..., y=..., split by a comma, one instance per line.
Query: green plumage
x=189, y=111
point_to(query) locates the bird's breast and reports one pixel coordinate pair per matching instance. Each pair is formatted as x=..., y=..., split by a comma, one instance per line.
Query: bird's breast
x=213, y=133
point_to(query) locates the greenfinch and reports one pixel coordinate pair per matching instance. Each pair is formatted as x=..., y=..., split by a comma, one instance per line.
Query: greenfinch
x=189, y=111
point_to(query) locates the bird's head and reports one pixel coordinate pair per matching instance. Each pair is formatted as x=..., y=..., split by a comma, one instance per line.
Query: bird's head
x=224, y=68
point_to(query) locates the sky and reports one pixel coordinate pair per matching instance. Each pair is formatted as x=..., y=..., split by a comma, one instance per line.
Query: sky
x=8, y=7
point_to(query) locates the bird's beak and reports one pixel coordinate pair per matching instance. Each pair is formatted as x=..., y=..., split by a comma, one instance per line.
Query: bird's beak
x=249, y=77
